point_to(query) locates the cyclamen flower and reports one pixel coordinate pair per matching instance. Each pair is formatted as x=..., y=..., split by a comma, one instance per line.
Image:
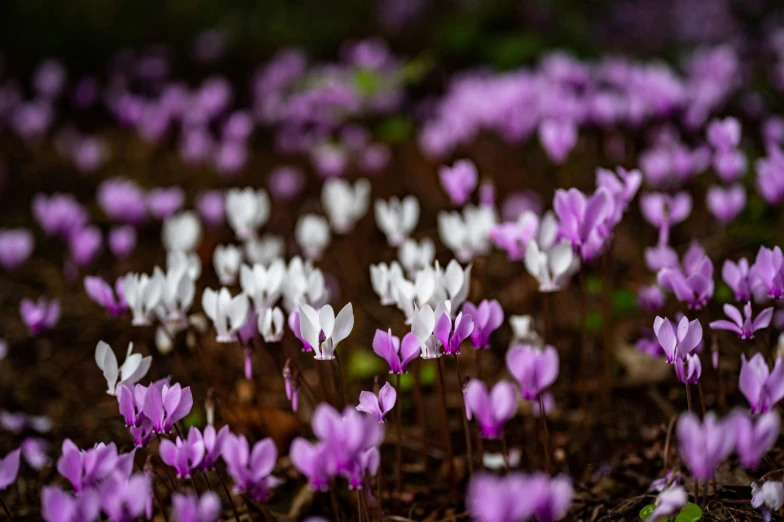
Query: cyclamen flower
x=669, y=503
x=490, y=409
x=462, y=329
x=580, y=218
x=142, y=293
x=761, y=386
x=9, y=469
x=335, y=329
x=377, y=406
x=692, y=282
x=211, y=207
x=730, y=165
x=246, y=211
x=662, y=210
x=312, y=235
x=467, y=234
x=227, y=313
x=423, y=325
x=165, y=405
x=753, y=438
x=497, y=499
x=251, y=468
x=125, y=499
x=181, y=232
x=213, y=445
x=550, y=267
x=650, y=298
x=397, y=354
x=737, y=276
x=59, y=506
x=743, y=326
x=122, y=241
x=122, y=200
x=34, y=450
x=87, y=468
x=534, y=370
x=680, y=343
x=227, y=260
x=312, y=460
x=622, y=184
x=726, y=203
x=385, y=280
x=343, y=204
x=185, y=456
x=263, y=284
x=704, y=444
x=487, y=317
x=133, y=369
x=724, y=135
x=163, y=203
x=459, y=180
x=396, y=218
x=688, y=368
x=16, y=245
x=84, y=245
x=558, y=138
x=415, y=256
x=767, y=498
x=513, y=237
x=190, y=508
x=767, y=271
x=270, y=325
x=770, y=176
x=59, y=214
x=40, y=315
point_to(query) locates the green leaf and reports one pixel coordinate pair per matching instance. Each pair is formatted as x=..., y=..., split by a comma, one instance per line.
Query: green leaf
x=647, y=511
x=723, y=292
x=593, y=321
x=364, y=364
x=394, y=130
x=366, y=81
x=593, y=285
x=623, y=301
x=427, y=374
x=690, y=513
x=194, y=418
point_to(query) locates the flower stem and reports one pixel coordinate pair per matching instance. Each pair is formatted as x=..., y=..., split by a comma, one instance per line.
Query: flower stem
x=545, y=435
x=667, y=441
x=399, y=441
x=445, y=425
x=342, y=380
x=505, y=450
x=466, y=429
x=702, y=397
x=334, y=500
x=688, y=397
x=607, y=328
x=5, y=508
x=267, y=513
x=228, y=495
x=420, y=410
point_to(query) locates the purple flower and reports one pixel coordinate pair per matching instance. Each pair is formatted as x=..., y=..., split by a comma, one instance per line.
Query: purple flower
x=767, y=498
x=463, y=327
x=770, y=176
x=726, y=203
x=487, y=317
x=743, y=326
x=677, y=343
x=669, y=503
x=459, y=180
x=59, y=214
x=754, y=439
x=122, y=241
x=692, y=282
x=490, y=409
x=660, y=256
x=730, y=165
x=767, y=271
x=251, y=469
x=213, y=445
x=39, y=315
x=211, y=207
x=190, y=508
x=87, y=468
x=513, y=236
x=312, y=461
x=126, y=498
x=688, y=368
x=704, y=444
x=552, y=497
x=164, y=405
x=101, y=293
x=183, y=455
x=9, y=469
x=581, y=217
x=378, y=406
x=16, y=245
x=762, y=387
x=737, y=276
x=285, y=183
x=84, y=245
x=398, y=355
x=164, y=202
x=662, y=210
x=122, y=200
x=59, y=506
x=534, y=370
x=34, y=450
x=622, y=184
x=650, y=298
x=558, y=138
x=724, y=135
x=491, y=498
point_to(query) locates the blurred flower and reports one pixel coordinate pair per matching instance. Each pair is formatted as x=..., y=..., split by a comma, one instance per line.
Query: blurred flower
x=85, y=245
x=227, y=313
x=122, y=241
x=377, y=406
x=181, y=232
x=34, y=450
x=211, y=207
x=59, y=214
x=122, y=200
x=190, y=508
x=251, y=469
x=16, y=245
x=185, y=456
x=163, y=203
x=59, y=506
x=285, y=183
x=396, y=218
x=737, y=276
x=558, y=138
x=767, y=498
x=692, y=281
x=669, y=503
x=246, y=211
x=343, y=204
x=270, y=325
x=534, y=370
x=40, y=315
x=754, y=437
x=725, y=203
x=459, y=180
x=762, y=387
x=133, y=368
x=312, y=235
x=487, y=317
x=704, y=444
x=490, y=409
x=9, y=468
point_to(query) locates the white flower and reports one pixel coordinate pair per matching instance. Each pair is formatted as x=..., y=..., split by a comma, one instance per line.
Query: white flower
x=228, y=313
x=522, y=330
x=188, y=261
x=551, y=267
x=264, y=250
x=384, y=278
x=227, y=260
x=182, y=232
x=343, y=204
x=177, y=296
x=142, y=293
x=397, y=219
x=271, y=325
x=467, y=235
x=312, y=323
x=422, y=326
x=133, y=368
x=432, y=285
x=163, y=340
x=416, y=256
x=548, y=230
x=303, y=284
x=246, y=211
x=312, y=234
x=263, y=284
